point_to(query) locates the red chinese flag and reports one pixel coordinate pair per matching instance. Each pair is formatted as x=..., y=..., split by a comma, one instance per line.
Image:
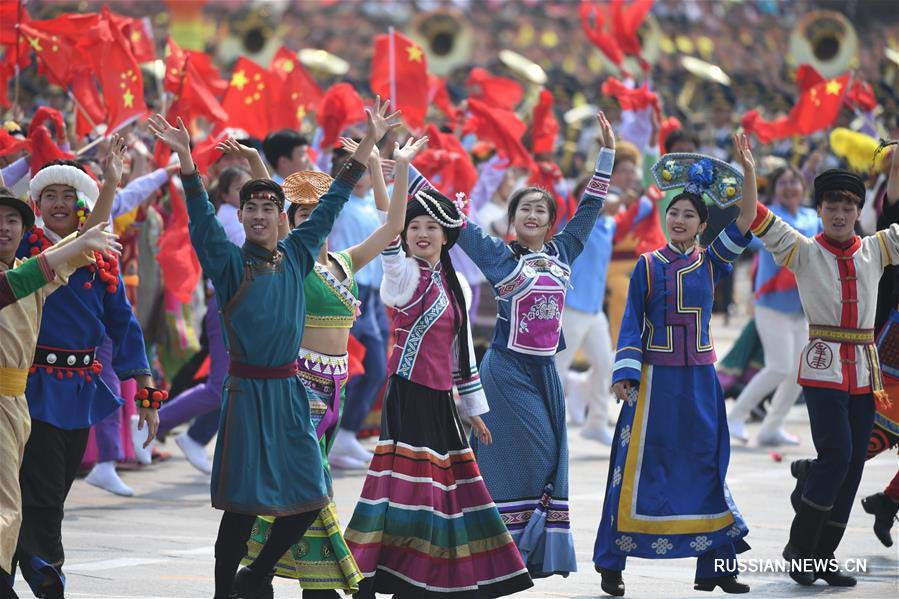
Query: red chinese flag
x=10, y=13
x=438, y=96
x=90, y=111
x=177, y=260
x=139, y=35
x=300, y=93
x=817, y=108
x=54, y=53
x=544, y=126
x=501, y=127
x=6, y=74
x=446, y=163
x=205, y=154
x=861, y=96
x=593, y=23
x=410, y=71
x=341, y=106
x=247, y=98
x=493, y=90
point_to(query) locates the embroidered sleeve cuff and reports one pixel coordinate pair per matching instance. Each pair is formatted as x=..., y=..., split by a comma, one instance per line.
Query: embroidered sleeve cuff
x=394, y=248
x=472, y=399
x=350, y=172
x=46, y=269
x=763, y=220
x=626, y=370
x=605, y=161
x=417, y=182
x=730, y=243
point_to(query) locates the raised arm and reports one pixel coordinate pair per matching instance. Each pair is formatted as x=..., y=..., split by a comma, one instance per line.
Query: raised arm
x=112, y=174
x=251, y=155
x=97, y=238
x=310, y=235
x=750, y=188
x=573, y=237
x=220, y=259
x=368, y=250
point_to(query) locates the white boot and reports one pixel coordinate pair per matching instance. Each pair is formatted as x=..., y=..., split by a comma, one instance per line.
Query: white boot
x=574, y=398
x=142, y=455
x=194, y=452
x=103, y=475
x=347, y=445
x=345, y=462
x=738, y=430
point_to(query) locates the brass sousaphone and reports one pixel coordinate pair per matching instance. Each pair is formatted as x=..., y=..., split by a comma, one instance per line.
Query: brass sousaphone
x=826, y=40
x=446, y=38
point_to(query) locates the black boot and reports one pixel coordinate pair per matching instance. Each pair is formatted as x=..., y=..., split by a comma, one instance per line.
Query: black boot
x=884, y=511
x=799, y=470
x=6, y=590
x=828, y=542
x=804, y=534
x=728, y=584
x=612, y=582
x=248, y=584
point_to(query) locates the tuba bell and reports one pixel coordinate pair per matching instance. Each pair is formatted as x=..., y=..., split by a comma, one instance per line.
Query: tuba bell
x=446, y=38
x=825, y=40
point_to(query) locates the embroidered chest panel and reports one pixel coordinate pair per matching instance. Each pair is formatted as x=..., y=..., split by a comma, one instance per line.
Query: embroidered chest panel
x=536, y=292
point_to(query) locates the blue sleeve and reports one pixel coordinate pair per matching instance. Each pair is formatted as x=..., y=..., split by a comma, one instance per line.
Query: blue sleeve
x=573, y=237
x=129, y=354
x=14, y=172
x=629, y=357
x=305, y=242
x=221, y=260
x=726, y=248
x=138, y=190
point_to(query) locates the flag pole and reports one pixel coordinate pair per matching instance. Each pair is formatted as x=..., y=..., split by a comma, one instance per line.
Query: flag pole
x=18, y=69
x=392, y=65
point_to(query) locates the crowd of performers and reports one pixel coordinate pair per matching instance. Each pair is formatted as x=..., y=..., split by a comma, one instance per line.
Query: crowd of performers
x=466, y=492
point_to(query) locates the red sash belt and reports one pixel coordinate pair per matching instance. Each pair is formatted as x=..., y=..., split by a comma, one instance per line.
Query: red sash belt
x=251, y=371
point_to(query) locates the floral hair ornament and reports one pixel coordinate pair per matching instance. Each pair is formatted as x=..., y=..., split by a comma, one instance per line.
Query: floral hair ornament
x=700, y=175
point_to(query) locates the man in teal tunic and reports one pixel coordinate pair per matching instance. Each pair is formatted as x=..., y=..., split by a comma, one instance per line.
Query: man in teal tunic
x=264, y=408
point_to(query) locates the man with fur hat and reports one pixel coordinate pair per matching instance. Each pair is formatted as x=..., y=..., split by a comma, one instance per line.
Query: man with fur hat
x=24, y=287
x=839, y=368
x=65, y=396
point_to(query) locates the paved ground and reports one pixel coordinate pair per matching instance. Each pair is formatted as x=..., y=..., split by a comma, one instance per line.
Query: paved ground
x=159, y=543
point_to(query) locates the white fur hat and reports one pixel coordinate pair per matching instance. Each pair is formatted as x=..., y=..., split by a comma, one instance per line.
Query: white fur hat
x=63, y=174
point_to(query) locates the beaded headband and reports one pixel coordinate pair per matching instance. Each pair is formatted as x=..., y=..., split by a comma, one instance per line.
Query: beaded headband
x=444, y=220
x=699, y=175
x=264, y=195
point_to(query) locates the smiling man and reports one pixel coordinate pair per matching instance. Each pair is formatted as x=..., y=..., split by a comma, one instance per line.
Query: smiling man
x=838, y=368
x=265, y=407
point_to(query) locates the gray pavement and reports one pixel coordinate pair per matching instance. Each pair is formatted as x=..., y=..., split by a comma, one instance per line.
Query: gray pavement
x=160, y=542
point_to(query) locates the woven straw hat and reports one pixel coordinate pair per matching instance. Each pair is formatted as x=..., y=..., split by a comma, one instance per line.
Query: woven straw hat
x=306, y=187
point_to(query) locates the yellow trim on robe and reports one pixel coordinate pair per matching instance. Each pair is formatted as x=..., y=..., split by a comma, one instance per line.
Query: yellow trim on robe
x=884, y=249
x=13, y=381
x=659, y=525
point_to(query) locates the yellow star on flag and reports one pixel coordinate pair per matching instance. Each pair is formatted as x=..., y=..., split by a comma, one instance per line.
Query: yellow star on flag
x=239, y=80
x=414, y=53
x=128, y=97
x=287, y=66
x=34, y=43
x=135, y=36
x=833, y=87
x=301, y=113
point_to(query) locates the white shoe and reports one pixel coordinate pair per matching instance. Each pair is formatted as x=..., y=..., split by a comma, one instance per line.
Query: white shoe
x=598, y=433
x=778, y=437
x=346, y=444
x=738, y=430
x=194, y=452
x=103, y=475
x=341, y=461
x=142, y=455
x=574, y=399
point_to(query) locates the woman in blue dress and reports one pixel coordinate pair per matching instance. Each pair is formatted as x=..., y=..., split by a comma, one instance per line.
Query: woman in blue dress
x=665, y=494
x=526, y=467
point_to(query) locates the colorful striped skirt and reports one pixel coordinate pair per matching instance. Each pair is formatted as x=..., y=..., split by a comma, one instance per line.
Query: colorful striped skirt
x=321, y=560
x=425, y=525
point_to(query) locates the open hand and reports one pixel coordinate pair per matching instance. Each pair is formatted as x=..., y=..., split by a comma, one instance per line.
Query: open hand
x=231, y=146
x=481, y=429
x=379, y=122
x=606, y=136
x=177, y=138
x=744, y=152
x=404, y=156
x=114, y=165
x=350, y=145
x=97, y=238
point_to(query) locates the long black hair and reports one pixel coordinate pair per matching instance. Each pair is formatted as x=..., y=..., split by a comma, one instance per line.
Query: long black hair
x=224, y=182
x=415, y=209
